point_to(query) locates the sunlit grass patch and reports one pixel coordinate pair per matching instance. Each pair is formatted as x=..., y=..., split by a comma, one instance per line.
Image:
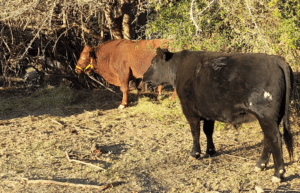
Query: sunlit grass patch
x=43, y=98
x=162, y=110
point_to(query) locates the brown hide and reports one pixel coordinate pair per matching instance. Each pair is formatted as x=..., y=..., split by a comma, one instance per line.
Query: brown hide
x=115, y=58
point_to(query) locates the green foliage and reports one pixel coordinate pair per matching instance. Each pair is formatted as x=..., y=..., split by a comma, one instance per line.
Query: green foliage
x=288, y=15
x=165, y=23
x=230, y=26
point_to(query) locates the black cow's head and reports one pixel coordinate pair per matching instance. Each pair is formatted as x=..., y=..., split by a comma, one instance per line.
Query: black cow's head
x=86, y=61
x=157, y=71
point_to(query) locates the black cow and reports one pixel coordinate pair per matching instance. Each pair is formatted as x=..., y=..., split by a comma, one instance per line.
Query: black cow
x=233, y=88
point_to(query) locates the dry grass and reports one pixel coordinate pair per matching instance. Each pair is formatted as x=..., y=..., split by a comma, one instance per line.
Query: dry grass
x=142, y=148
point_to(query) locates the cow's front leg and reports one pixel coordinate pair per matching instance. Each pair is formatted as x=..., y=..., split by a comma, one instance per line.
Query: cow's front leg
x=195, y=129
x=208, y=128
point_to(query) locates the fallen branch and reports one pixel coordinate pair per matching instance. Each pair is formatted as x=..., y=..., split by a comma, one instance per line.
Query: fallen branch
x=103, y=85
x=12, y=79
x=73, y=160
x=54, y=121
x=101, y=188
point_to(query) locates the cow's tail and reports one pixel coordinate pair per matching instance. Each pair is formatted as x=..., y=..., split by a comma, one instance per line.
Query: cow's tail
x=288, y=75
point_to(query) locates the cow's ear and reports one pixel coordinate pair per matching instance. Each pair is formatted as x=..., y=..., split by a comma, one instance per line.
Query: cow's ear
x=160, y=53
x=93, y=55
x=87, y=48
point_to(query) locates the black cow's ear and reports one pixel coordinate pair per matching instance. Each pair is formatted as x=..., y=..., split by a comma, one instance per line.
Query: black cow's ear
x=160, y=53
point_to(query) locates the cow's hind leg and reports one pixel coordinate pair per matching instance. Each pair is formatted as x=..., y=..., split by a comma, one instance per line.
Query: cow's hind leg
x=272, y=141
x=208, y=129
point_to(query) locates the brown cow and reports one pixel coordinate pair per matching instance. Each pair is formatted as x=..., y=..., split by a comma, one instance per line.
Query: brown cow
x=118, y=60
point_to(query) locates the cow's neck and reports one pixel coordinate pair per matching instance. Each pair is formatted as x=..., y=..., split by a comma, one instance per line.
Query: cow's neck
x=96, y=68
x=172, y=69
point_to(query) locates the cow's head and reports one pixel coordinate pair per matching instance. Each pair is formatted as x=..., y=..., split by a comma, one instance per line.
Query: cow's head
x=157, y=71
x=86, y=61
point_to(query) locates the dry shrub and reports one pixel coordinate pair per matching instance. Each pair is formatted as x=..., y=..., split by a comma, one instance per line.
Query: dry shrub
x=37, y=33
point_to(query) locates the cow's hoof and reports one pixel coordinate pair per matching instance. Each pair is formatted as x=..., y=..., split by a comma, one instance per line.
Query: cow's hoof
x=211, y=152
x=121, y=107
x=275, y=179
x=196, y=155
x=260, y=167
x=209, y=155
x=257, y=169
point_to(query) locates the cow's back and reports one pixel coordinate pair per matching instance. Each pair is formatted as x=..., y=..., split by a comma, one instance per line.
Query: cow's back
x=116, y=58
x=139, y=54
x=214, y=81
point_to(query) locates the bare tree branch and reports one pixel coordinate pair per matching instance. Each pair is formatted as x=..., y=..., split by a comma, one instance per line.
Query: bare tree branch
x=253, y=20
x=207, y=7
x=198, y=28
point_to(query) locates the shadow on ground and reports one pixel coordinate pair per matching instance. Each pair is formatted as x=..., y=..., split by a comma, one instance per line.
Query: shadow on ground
x=84, y=100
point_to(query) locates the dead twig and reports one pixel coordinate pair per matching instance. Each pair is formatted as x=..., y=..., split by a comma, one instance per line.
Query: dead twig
x=55, y=121
x=73, y=160
x=101, y=188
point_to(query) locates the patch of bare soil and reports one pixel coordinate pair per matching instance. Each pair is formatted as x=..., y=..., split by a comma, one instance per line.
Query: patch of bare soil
x=88, y=145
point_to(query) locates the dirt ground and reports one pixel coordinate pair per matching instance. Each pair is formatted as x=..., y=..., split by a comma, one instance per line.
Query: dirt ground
x=142, y=148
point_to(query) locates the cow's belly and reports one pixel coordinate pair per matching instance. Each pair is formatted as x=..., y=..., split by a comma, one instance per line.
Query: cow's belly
x=239, y=118
x=234, y=109
x=227, y=115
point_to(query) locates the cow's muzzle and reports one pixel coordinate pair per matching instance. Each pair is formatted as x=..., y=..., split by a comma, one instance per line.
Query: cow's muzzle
x=79, y=69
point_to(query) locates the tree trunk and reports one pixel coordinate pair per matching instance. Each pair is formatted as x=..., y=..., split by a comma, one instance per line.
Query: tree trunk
x=126, y=10
x=114, y=29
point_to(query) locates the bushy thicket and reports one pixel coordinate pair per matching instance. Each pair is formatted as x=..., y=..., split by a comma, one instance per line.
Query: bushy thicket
x=39, y=33
x=32, y=32
x=271, y=27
